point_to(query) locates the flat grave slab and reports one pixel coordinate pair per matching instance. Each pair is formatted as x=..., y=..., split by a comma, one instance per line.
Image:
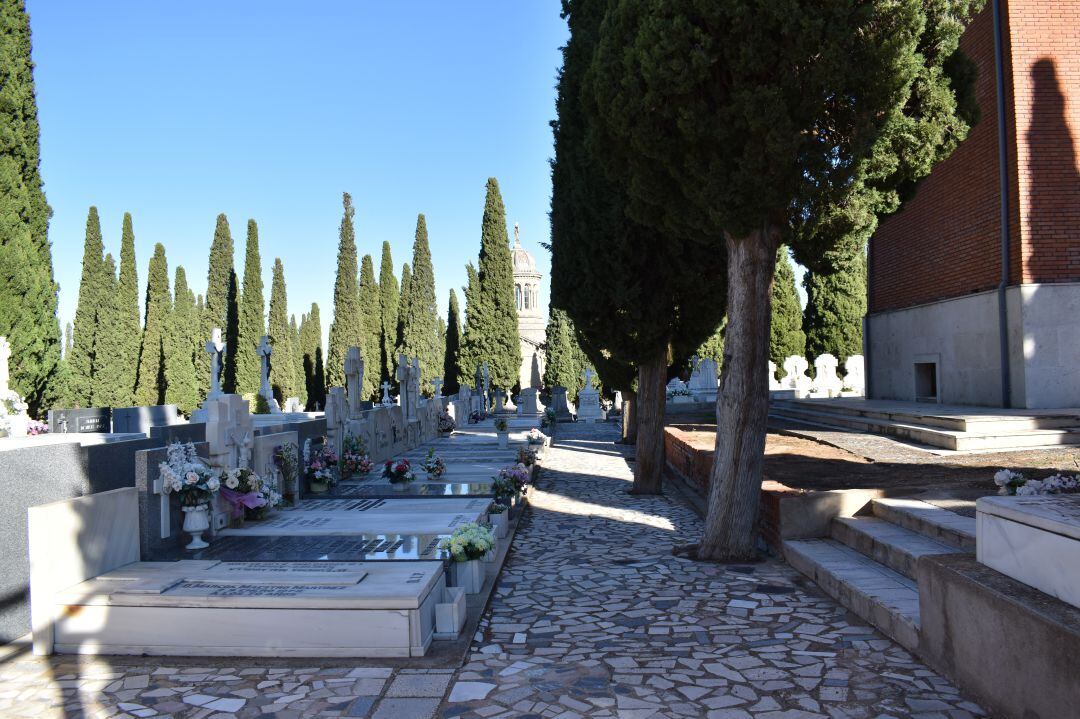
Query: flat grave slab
x=213, y=608
x=1035, y=540
x=380, y=547
x=342, y=517
x=377, y=489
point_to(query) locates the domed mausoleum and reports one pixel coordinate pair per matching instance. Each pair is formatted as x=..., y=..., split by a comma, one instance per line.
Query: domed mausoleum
x=532, y=324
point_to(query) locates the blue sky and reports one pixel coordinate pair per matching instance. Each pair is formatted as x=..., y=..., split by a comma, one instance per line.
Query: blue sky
x=269, y=110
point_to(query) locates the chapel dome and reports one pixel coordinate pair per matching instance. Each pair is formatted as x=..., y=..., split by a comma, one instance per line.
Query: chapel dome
x=524, y=264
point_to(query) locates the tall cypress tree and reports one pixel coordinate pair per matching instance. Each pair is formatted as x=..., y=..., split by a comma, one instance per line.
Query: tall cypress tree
x=371, y=323
x=182, y=347
x=403, y=310
x=312, y=358
x=297, y=361
x=835, y=305
x=345, y=328
x=232, y=334
x=494, y=336
x=27, y=289
x=151, y=384
x=389, y=298
x=222, y=298
x=282, y=360
x=467, y=358
x=252, y=321
x=786, y=335
x=128, y=320
x=564, y=361
x=420, y=335
x=92, y=293
x=110, y=362
x=68, y=339
x=452, y=375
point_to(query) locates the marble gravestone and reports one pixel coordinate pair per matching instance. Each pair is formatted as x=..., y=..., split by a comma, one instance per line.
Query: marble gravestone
x=589, y=400
x=141, y=419
x=855, y=376
x=159, y=516
x=826, y=383
x=94, y=419
x=264, y=465
x=530, y=402
x=703, y=379
x=561, y=405
x=774, y=384
x=337, y=414
x=1035, y=540
x=795, y=377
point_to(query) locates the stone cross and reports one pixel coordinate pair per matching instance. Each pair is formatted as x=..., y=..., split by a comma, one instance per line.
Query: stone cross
x=5, y=354
x=589, y=374
x=386, y=401
x=438, y=382
x=354, y=376
x=215, y=347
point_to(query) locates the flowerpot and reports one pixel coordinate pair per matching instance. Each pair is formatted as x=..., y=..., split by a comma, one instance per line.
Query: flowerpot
x=504, y=440
x=468, y=575
x=450, y=613
x=500, y=524
x=399, y=486
x=318, y=487
x=196, y=521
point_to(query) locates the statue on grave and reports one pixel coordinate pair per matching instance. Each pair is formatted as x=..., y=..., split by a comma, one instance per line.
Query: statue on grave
x=386, y=401
x=265, y=391
x=215, y=347
x=354, y=378
x=588, y=375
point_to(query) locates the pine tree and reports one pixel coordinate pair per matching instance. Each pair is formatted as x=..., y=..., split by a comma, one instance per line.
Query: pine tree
x=452, y=374
x=109, y=360
x=786, y=335
x=371, y=323
x=311, y=347
x=345, y=330
x=389, y=298
x=128, y=319
x=182, y=347
x=151, y=384
x=297, y=361
x=835, y=305
x=252, y=321
x=92, y=292
x=282, y=359
x=27, y=289
x=493, y=335
x=420, y=337
x=402, y=312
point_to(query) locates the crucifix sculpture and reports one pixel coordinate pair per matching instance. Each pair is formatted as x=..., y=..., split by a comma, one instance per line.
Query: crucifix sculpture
x=215, y=347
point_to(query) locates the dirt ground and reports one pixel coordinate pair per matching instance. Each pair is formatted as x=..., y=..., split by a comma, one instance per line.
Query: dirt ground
x=809, y=464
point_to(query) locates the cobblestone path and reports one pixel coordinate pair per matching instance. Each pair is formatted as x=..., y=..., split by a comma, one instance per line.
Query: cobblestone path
x=593, y=617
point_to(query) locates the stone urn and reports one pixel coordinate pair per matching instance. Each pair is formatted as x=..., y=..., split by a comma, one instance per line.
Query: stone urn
x=196, y=521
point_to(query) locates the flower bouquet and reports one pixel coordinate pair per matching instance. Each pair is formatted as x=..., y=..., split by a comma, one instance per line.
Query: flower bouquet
x=477, y=416
x=446, y=423
x=355, y=460
x=13, y=419
x=398, y=473
x=501, y=425
x=243, y=489
x=526, y=456
x=285, y=462
x=498, y=519
x=468, y=542
x=319, y=463
x=1014, y=483
x=433, y=465
x=186, y=475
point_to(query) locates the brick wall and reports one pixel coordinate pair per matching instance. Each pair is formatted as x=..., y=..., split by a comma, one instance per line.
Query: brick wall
x=945, y=242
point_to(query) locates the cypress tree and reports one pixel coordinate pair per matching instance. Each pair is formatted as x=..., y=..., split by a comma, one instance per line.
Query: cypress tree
x=217, y=277
x=835, y=305
x=494, y=335
x=297, y=360
x=389, y=298
x=561, y=362
x=232, y=334
x=452, y=374
x=420, y=336
x=109, y=359
x=27, y=289
x=786, y=335
x=252, y=321
x=311, y=347
x=151, y=383
x=202, y=363
x=440, y=349
x=93, y=291
x=371, y=323
x=182, y=347
x=128, y=320
x=67, y=341
x=403, y=310
x=345, y=329
x=282, y=359
x=467, y=358
x=713, y=348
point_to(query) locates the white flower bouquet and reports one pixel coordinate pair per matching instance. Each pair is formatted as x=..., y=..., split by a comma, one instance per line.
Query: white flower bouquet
x=1014, y=483
x=187, y=475
x=468, y=542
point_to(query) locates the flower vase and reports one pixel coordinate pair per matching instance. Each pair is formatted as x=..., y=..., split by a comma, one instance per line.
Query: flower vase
x=196, y=521
x=399, y=486
x=468, y=575
x=319, y=486
x=504, y=440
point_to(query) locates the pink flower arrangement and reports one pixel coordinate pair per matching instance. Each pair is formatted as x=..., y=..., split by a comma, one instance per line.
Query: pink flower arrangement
x=398, y=472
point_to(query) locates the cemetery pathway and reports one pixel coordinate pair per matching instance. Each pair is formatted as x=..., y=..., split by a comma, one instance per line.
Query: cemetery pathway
x=592, y=617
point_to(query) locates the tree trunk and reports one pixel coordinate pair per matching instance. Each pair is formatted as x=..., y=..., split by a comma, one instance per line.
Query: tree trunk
x=629, y=418
x=649, y=413
x=742, y=403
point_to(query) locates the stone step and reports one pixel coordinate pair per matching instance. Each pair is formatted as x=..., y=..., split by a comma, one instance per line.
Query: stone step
x=940, y=525
x=933, y=436
x=882, y=597
x=897, y=548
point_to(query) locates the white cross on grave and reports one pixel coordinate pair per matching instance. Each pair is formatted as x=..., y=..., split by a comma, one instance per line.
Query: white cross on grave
x=438, y=383
x=589, y=374
x=386, y=401
x=215, y=347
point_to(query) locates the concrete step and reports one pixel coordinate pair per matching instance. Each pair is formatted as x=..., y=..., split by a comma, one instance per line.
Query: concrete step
x=958, y=419
x=940, y=525
x=933, y=436
x=882, y=597
x=886, y=543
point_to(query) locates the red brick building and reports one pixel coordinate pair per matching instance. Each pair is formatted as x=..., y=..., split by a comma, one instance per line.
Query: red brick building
x=933, y=328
